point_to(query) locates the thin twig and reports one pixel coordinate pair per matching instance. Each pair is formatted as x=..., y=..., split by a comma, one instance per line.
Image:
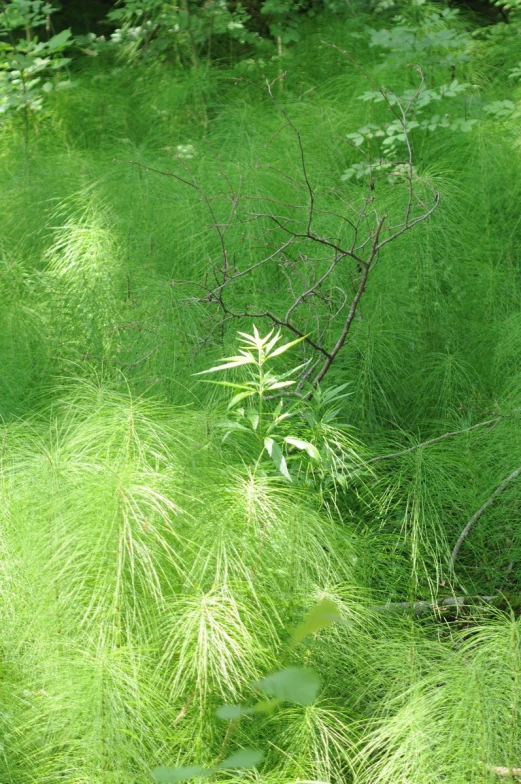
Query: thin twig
x=430, y=441
x=313, y=290
x=366, y=267
x=366, y=76
x=214, y=293
x=296, y=331
x=463, y=535
x=298, y=136
x=157, y=171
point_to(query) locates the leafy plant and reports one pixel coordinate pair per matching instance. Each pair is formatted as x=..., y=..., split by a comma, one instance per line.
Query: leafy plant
x=432, y=35
x=383, y=143
x=186, y=32
x=23, y=68
x=300, y=685
x=239, y=760
x=255, y=353
x=29, y=68
x=302, y=438
x=151, y=575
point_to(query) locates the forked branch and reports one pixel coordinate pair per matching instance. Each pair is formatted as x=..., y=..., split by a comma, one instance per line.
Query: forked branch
x=326, y=276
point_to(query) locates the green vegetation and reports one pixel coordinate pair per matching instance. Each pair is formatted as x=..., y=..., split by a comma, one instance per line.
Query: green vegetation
x=260, y=394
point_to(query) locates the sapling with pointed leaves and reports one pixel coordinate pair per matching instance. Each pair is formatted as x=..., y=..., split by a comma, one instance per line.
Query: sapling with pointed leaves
x=301, y=435
x=256, y=354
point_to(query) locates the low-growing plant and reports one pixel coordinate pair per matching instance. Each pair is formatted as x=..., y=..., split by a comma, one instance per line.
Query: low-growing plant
x=297, y=685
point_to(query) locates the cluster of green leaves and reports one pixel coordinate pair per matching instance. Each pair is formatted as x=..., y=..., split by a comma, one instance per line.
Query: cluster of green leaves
x=429, y=34
x=387, y=142
x=433, y=38
x=298, y=685
x=185, y=32
x=256, y=352
x=193, y=28
x=285, y=16
x=307, y=426
x=29, y=68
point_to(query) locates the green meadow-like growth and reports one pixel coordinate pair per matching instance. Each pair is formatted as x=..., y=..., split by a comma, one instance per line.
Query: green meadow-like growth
x=260, y=396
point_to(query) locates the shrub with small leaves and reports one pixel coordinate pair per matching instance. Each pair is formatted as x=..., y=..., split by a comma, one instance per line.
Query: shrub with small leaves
x=30, y=68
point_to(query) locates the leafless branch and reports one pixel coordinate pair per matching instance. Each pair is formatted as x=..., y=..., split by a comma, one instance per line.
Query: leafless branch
x=298, y=136
x=325, y=275
x=488, y=503
x=430, y=441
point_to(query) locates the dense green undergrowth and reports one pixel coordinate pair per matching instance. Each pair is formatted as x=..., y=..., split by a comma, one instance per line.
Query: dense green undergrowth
x=149, y=570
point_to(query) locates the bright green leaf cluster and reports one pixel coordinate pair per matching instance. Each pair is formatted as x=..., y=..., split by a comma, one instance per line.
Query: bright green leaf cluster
x=243, y=759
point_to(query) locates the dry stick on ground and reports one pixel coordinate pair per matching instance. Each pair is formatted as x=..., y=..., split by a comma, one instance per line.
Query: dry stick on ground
x=463, y=535
x=422, y=606
x=319, y=285
x=501, y=770
x=487, y=423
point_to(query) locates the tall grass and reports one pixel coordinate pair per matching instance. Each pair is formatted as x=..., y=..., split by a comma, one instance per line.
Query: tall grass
x=150, y=572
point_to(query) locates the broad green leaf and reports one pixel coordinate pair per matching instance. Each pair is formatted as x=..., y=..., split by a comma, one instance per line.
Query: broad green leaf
x=309, y=416
x=331, y=415
x=278, y=408
x=232, y=712
x=324, y=614
x=230, y=384
x=283, y=416
x=255, y=342
x=335, y=393
x=180, y=774
x=265, y=706
x=275, y=452
x=294, y=684
x=269, y=345
x=230, y=362
x=231, y=426
x=304, y=445
x=293, y=370
x=254, y=419
x=59, y=40
x=249, y=340
x=229, y=712
x=243, y=758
